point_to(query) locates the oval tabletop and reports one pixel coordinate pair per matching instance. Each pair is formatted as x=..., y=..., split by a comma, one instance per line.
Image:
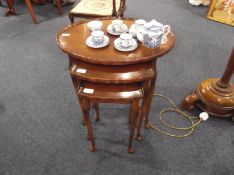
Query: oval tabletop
x=72, y=39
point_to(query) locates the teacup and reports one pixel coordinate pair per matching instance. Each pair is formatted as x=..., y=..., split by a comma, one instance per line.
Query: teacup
x=97, y=36
x=94, y=25
x=125, y=40
x=139, y=23
x=117, y=25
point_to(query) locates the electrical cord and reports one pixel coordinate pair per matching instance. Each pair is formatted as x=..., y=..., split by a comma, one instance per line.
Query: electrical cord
x=202, y=117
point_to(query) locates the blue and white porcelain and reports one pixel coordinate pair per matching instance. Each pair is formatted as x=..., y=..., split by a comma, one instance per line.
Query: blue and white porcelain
x=112, y=31
x=91, y=42
x=98, y=36
x=152, y=40
x=153, y=34
x=132, y=45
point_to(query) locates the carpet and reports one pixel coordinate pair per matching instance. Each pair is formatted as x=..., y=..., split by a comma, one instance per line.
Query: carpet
x=40, y=119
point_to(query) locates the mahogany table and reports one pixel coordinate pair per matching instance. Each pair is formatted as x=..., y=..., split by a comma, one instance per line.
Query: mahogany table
x=71, y=40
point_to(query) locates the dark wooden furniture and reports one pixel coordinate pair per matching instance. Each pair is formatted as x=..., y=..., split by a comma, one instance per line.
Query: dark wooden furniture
x=11, y=10
x=112, y=67
x=104, y=8
x=110, y=93
x=143, y=72
x=214, y=95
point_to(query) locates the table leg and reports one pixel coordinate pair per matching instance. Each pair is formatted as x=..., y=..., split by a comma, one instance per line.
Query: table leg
x=135, y=105
x=143, y=109
x=95, y=106
x=59, y=7
x=71, y=61
x=11, y=10
x=85, y=106
x=29, y=6
x=130, y=114
x=150, y=96
x=76, y=83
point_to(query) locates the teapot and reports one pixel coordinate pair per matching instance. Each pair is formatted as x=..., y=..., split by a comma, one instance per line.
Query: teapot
x=153, y=33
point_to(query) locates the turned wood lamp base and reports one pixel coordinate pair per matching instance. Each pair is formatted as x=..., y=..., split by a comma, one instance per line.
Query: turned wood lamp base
x=214, y=96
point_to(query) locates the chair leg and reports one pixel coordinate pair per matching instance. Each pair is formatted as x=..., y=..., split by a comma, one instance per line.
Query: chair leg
x=85, y=105
x=58, y=5
x=29, y=6
x=135, y=105
x=11, y=10
x=71, y=17
x=95, y=106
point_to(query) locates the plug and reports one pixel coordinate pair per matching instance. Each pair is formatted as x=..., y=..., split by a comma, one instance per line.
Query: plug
x=204, y=116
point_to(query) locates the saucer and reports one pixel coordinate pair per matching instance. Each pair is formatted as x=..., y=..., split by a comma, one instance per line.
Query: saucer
x=89, y=42
x=125, y=49
x=112, y=32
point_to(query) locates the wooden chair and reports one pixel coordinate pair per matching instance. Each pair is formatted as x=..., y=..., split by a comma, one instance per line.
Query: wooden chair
x=94, y=8
x=34, y=18
x=90, y=92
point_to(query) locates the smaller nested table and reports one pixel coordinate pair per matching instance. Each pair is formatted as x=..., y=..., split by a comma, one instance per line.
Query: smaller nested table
x=108, y=65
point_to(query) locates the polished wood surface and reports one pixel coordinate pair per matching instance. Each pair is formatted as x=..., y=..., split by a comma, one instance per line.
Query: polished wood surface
x=123, y=93
x=115, y=12
x=112, y=74
x=225, y=80
x=214, y=95
x=110, y=93
x=72, y=41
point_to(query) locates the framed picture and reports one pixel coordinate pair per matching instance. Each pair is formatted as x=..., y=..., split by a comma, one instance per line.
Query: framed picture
x=222, y=11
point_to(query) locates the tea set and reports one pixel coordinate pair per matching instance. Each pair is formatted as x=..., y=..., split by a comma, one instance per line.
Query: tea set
x=151, y=34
